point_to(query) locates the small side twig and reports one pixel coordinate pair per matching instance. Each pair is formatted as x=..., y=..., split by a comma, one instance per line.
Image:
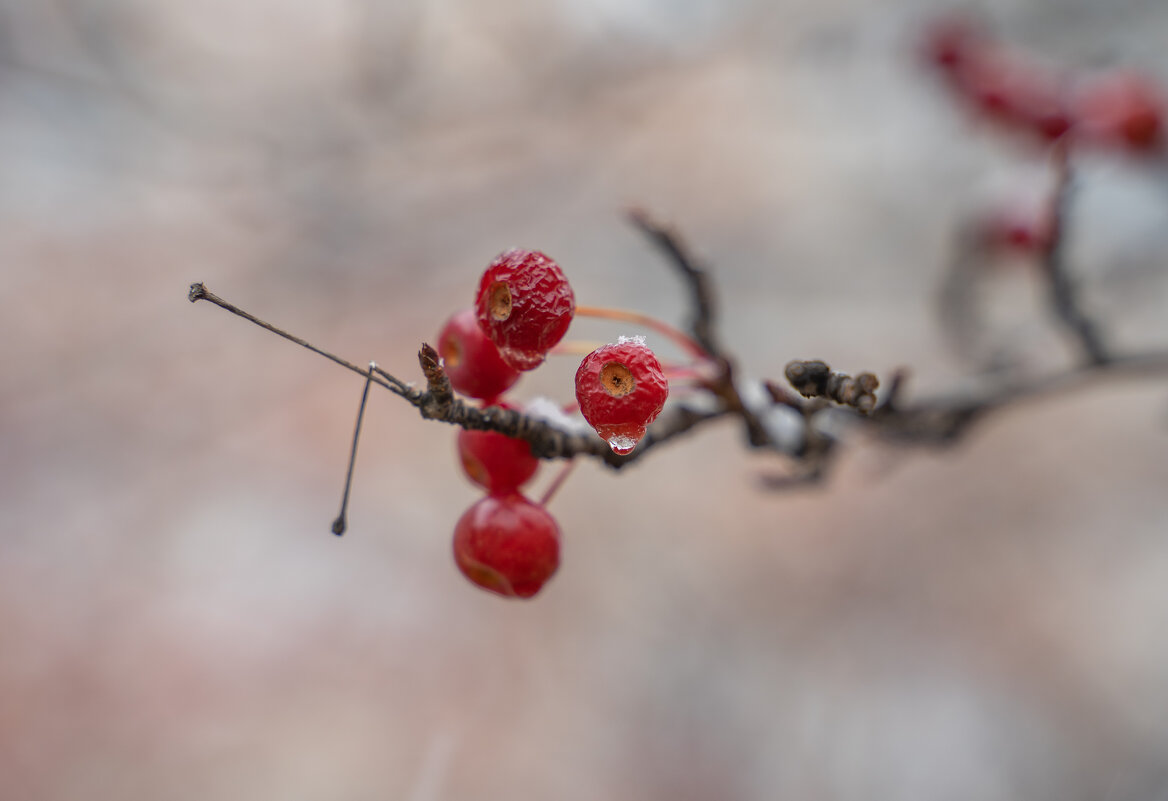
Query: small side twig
x=341, y=523
x=702, y=324
x=199, y=291
x=697, y=282
x=815, y=379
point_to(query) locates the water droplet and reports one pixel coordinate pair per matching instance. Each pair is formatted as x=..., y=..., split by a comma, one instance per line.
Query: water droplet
x=622, y=445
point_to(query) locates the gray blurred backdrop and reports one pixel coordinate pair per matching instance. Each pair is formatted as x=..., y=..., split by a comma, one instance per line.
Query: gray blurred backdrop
x=176, y=621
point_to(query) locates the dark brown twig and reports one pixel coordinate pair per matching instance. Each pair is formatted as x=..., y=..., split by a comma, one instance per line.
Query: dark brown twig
x=547, y=441
x=1064, y=296
x=702, y=321
x=944, y=421
x=702, y=324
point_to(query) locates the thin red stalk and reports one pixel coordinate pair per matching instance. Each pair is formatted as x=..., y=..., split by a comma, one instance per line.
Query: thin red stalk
x=558, y=482
x=681, y=338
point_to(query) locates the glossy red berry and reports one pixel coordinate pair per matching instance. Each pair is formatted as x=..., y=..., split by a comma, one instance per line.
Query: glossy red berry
x=621, y=389
x=524, y=306
x=507, y=545
x=497, y=463
x=1124, y=110
x=472, y=361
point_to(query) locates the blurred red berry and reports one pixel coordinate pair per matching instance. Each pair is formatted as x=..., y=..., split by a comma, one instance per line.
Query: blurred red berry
x=1123, y=110
x=507, y=545
x=1003, y=85
x=524, y=305
x=1017, y=93
x=621, y=389
x=472, y=361
x=497, y=463
x=1026, y=230
x=950, y=41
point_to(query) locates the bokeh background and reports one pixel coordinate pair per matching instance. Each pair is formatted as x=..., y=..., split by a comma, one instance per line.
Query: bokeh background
x=176, y=622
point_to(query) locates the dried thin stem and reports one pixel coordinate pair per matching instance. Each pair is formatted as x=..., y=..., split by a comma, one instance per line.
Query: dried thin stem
x=199, y=292
x=341, y=523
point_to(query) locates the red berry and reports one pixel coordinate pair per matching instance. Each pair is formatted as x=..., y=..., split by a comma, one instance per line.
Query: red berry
x=507, y=545
x=621, y=389
x=498, y=463
x=524, y=306
x=472, y=361
x=1124, y=110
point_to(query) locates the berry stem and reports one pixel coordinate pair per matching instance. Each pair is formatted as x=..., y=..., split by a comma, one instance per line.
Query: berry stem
x=680, y=372
x=666, y=330
x=557, y=482
x=341, y=523
x=575, y=347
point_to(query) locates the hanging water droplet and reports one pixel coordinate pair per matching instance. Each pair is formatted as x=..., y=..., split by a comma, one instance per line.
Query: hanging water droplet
x=621, y=444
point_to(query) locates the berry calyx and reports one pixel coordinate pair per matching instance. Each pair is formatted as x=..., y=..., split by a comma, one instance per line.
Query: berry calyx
x=621, y=389
x=496, y=462
x=524, y=305
x=507, y=545
x=472, y=361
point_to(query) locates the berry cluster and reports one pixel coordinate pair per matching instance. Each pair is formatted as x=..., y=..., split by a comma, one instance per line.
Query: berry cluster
x=506, y=543
x=1121, y=111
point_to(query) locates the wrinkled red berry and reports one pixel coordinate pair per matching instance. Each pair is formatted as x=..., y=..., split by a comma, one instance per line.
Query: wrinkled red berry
x=621, y=389
x=472, y=361
x=1124, y=110
x=507, y=545
x=498, y=463
x=524, y=306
